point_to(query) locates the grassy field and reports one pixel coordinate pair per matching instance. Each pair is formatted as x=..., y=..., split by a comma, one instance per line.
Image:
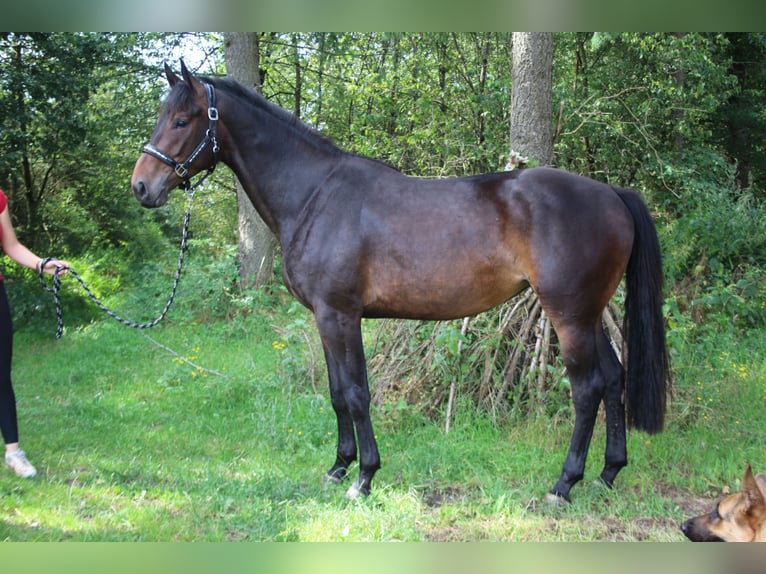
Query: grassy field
x=214, y=432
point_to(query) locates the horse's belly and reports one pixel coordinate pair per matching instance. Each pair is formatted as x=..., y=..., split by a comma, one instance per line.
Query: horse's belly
x=461, y=291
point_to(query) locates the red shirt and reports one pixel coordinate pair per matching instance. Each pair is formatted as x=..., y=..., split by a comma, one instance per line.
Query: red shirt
x=3, y=205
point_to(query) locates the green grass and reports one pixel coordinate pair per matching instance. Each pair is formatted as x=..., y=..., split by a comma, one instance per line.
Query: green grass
x=134, y=444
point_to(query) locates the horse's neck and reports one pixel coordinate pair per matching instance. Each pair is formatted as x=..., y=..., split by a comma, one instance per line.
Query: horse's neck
x=280, y=173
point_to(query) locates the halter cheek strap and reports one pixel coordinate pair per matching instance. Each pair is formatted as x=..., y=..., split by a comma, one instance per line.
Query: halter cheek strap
x=182, y=169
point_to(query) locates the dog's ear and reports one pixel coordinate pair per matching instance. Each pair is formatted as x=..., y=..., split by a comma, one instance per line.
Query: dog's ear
x=751, y=489
x=760, y=480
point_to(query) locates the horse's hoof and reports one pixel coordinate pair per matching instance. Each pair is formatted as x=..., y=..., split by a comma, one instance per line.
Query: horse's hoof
x=600, y=482
x=331, y=479
x=555, y=500
x=353, y=492
x=335, y=475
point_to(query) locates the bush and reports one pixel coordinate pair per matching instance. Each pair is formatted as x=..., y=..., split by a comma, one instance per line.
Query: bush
x=722, y=263
x=33, y=308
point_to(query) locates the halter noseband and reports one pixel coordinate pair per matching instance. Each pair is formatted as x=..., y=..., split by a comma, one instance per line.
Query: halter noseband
x=182, y=169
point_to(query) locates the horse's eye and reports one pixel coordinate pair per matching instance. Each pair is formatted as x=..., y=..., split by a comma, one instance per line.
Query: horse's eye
x=180, y=123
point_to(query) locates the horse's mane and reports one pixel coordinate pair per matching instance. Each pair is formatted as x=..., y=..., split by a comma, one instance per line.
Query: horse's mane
x=254, y=98
x=181, y=97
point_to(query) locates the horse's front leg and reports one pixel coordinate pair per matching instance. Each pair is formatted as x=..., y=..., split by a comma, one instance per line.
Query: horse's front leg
x=346, y=451
x=342, y=340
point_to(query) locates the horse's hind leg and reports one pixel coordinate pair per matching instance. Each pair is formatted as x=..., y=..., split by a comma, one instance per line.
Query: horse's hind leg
x=579, y=350
x=616, y=454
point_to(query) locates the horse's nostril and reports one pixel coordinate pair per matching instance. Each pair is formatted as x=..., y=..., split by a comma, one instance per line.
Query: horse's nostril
x=139, y=189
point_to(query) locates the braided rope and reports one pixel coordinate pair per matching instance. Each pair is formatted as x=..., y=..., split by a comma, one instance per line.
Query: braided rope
x=127, y=322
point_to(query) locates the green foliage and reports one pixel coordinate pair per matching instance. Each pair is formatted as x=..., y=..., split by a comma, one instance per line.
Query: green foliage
x=742, y=119
x=631, y=103
x=430, y=104
x=134, y=289
x=714, y=222
x=715, y=245
x=33, y=308
x=299, y=348
x=644, y=110
x=51, y=138
x=742, y=303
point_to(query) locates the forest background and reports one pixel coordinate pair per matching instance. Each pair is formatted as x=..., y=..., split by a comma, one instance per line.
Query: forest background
x=680, y=117
x=677, y=116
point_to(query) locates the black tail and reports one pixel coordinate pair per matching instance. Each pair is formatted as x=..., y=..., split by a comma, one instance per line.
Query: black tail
x=646, y=363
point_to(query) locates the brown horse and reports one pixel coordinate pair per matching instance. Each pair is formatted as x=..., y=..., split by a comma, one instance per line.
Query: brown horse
x=360, y=239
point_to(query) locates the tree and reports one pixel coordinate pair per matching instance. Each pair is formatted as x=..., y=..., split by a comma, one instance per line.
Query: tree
x=743, y=121
x=43, y=120
x=511, y=350
x=531, y=80
x=255, y=253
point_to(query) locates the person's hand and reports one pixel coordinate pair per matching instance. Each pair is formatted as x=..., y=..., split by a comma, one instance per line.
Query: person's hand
x=51, y=265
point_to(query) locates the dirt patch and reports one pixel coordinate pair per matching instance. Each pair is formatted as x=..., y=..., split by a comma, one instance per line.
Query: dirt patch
x=464, y=521
x=436, y=496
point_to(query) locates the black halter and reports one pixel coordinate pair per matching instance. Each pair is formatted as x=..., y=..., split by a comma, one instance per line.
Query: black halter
x=182, y=169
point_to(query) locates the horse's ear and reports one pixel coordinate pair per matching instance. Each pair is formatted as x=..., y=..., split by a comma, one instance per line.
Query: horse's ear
x=190, y=80
x=171, y=76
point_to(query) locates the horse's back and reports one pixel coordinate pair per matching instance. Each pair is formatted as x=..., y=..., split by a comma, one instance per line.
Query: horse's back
x=455, y=247
x=397, y=246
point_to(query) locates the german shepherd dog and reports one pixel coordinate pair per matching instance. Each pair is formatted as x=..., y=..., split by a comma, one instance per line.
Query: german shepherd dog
x=740, y=517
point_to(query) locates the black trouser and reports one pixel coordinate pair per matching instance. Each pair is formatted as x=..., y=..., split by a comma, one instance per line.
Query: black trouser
x=8, y=421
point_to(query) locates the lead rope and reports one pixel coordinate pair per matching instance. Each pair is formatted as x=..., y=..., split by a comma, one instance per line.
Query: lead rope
x=128, y=323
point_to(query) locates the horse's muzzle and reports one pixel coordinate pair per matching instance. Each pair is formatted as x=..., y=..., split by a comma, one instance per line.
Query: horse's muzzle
x=145, y=197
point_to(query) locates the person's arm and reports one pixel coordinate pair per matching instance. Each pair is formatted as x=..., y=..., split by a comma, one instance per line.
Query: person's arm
x=19, y=253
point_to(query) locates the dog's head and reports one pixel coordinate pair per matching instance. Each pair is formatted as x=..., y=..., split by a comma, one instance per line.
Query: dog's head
x=740, y=517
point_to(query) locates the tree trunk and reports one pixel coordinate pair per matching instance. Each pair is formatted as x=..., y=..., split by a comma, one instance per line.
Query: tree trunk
x=298, y=78
x=531, y=83
x=255, y=253
x=679, y=114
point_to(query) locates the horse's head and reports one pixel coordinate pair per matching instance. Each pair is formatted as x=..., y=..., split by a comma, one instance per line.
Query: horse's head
x=183, y=143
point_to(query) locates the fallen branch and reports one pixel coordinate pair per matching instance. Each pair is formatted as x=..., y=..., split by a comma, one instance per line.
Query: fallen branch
x=507, y=361
x=184, y=359
x=451, y=399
